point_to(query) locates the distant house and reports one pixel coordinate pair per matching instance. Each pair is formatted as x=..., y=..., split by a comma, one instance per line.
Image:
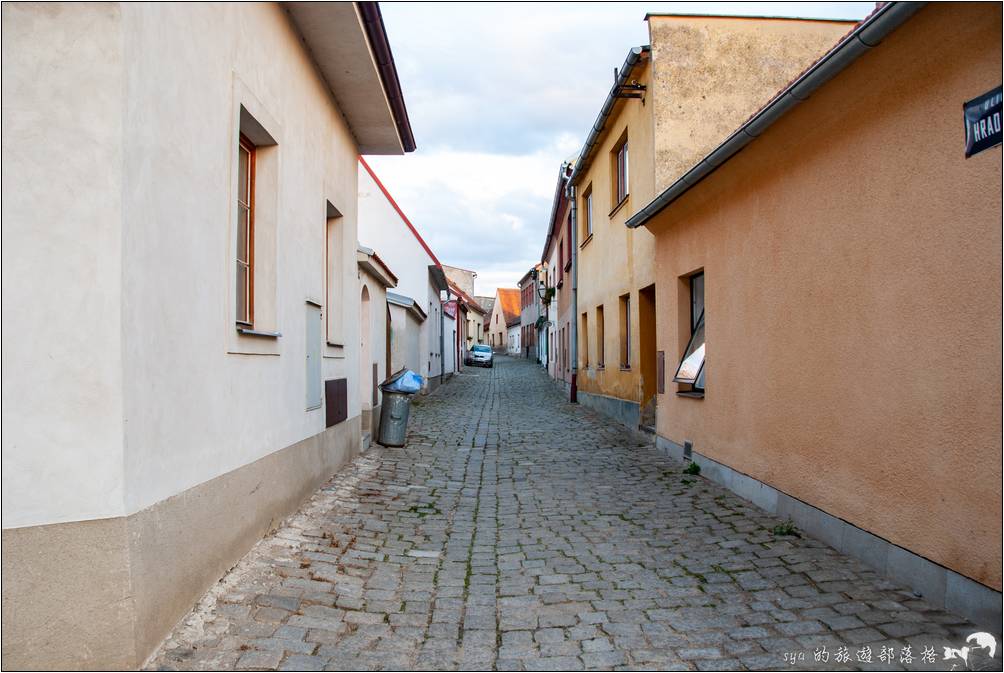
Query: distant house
x=514, y=338
x=505, y=311
x=556, y=262
x=529, y=312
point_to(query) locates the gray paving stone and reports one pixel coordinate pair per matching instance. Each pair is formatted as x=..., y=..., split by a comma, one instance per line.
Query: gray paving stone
x=518, y=532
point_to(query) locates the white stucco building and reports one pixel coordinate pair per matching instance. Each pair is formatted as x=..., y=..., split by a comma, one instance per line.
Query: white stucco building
x=514, y=346
x=421, y=281
x=376, y=280
x=179, y=239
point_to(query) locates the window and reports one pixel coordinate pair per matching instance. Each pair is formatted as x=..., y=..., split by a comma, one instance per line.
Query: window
x=245, y=232
x=599, y=336
x=584, y=341
x=568, y=237
x=561, y=261
x=625, y=320
x=587, y=213
x=621, y=171
x=691, y=369
x=334, y=268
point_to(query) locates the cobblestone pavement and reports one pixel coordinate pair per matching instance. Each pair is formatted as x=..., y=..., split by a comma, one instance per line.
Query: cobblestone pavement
x=519, y=532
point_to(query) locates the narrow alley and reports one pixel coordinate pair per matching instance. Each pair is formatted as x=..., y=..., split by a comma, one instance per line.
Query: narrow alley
x=516, y=531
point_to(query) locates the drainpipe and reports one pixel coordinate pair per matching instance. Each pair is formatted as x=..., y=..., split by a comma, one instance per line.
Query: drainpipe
x=442, y=340
x=574, y=346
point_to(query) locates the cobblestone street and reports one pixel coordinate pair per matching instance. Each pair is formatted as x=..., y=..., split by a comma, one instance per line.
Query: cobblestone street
x=519, y=532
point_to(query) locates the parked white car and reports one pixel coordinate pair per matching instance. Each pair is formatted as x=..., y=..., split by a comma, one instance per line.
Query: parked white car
x=482, y=356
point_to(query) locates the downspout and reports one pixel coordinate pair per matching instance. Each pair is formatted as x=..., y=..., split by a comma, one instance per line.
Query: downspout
x=574, y=345
x=442, y=340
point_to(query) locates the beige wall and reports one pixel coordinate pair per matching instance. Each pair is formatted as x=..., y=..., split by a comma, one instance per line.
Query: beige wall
x=615, y=260
x=712, y=73
x=852, y=261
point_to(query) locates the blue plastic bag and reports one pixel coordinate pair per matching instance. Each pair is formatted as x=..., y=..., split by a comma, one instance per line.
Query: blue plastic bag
x=408, y=382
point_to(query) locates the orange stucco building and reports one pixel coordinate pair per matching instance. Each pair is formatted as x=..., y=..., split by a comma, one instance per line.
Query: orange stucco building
x=848, y=260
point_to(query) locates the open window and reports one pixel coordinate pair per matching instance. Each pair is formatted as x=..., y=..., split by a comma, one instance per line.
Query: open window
x=691, y=368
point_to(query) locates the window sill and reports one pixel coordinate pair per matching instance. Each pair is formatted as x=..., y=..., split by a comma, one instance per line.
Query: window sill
x=247, y=331
x=619, y=205
x=585, y=241
x=568, y=265
x=695, y=394
x=625, y=368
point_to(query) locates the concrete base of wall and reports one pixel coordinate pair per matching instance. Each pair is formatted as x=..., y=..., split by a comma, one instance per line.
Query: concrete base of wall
x=940, y=586
x=624, y=412
x=103, y=594
x=432, y=383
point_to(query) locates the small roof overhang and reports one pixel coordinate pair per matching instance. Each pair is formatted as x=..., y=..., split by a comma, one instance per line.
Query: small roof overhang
x=371, y=263
x=408, y=303
x=348, y=42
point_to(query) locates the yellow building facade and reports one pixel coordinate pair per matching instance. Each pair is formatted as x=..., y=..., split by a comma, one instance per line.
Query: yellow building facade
x=700, y=78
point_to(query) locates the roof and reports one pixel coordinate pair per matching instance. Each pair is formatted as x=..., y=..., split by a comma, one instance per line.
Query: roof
x=370, y=262
x=759, y=17
x=509, y=299
x=866, y=35
x=407, y=302
x=348, y=44
x=377, y=34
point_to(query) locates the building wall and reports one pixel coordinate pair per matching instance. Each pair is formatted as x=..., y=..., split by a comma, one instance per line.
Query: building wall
x=144, y=418
x=615, y=260
x=496, y=329
x=853, y=291
x=712, y=72
x=561, y=305
x=514, y=343
x=405, y=343
x=705, y=76
x=475, y=328
x=382, y=229
x=373, y=365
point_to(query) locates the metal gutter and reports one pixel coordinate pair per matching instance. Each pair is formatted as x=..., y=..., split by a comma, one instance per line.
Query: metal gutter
x=376, y=34
x=593, y=139
x=573, y=393
x=867, y=35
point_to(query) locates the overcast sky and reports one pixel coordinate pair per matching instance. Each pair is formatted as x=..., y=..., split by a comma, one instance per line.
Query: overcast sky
x=499, y=95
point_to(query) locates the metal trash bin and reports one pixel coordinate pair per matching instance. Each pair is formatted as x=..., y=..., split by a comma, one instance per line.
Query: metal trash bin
x=394, y=418
x=396, y=408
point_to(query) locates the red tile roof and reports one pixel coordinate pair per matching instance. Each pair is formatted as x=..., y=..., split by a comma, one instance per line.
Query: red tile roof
x=510, y=304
